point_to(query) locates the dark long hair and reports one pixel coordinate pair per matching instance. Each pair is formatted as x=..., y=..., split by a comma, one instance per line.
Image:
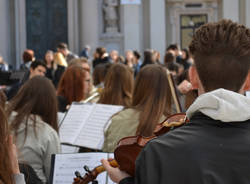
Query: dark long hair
x=152, y=97
x=36, y=97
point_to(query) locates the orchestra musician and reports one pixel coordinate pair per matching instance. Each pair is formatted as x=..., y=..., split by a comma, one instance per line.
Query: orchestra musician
x=214, y=147
x=118, y=86
x=33, y=121
x=151, y=104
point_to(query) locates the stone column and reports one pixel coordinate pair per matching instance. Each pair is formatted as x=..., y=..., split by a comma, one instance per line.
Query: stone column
x=73, y=26
x=247, y=13
x=131, y=29
x=89, y=24
x=5, y=31
x=230, y=9
x=17, y=37
x=158, y=26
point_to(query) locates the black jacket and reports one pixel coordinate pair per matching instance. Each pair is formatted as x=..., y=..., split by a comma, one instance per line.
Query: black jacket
x=204, y=151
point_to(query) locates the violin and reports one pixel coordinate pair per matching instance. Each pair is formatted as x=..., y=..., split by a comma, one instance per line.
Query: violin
x=128, y=149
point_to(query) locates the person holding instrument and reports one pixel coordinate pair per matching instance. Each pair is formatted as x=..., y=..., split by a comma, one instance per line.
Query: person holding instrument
x=151, y=104
x=214, y=147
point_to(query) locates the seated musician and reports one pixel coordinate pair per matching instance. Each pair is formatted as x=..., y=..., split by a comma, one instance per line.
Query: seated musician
x=214, y=147
x=33, y=121
x=73, y=87
x=118, y=86
x=151, y=104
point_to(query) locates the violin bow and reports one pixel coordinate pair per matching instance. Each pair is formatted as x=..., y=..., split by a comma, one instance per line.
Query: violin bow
x=173, y=91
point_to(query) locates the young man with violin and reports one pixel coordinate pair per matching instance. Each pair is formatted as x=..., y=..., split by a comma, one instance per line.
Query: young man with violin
x=214, y=147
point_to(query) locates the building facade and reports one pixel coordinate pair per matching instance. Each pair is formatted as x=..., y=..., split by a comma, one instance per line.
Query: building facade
x=41, y=24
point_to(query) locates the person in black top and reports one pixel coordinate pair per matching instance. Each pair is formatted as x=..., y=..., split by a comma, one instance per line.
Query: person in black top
x=214, y=147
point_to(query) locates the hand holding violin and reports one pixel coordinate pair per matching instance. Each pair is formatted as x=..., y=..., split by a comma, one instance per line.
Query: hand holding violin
x=115, y=174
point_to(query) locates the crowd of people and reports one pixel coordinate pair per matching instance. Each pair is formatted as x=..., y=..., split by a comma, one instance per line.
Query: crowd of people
x=206, y=79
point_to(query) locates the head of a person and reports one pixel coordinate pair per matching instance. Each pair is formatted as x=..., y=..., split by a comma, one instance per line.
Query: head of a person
x=221, y=54
x=118, y=86
x=6, y=173
x=49, y=57
x=63, y=48
x=59, y=59
x=137, y=55
x=74, y=84
x=100, y=73
x=152, y=97
x=100, y=52
x=173, y=48
x=36, y=97
x=148, y=56
x=169, y=58
x=185, y=54
x=82, y=62
x=37, y=68
x=156, y=56
x=129, y=55
x=28, y=55
x=1, y=60
x=114, y=55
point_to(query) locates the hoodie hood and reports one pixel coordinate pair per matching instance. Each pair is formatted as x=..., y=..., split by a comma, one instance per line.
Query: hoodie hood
x=223, y=105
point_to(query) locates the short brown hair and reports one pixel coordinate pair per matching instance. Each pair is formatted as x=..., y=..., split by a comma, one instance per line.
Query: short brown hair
x=221, y=54
x=62, y=46
x=28, y=55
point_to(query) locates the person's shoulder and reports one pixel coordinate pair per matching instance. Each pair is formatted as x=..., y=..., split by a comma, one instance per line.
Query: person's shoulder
x=42, y=126
x=128, y=113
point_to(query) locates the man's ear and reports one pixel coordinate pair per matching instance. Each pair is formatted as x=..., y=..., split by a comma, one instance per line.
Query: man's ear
x=246, y=85
x=193, y=76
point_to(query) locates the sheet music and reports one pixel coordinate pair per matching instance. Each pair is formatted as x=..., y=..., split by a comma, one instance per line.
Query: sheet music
x=60, y=117
x=69, y=149
x=74, y=121
x=66, y=165
x=92, y=134
x=84, y=124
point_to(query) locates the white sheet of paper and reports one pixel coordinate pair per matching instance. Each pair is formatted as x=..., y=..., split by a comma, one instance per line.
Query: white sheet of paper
x=66, y=165
x=74, y=121
x=84, y=124
x=92, y=134
x=69, y=149
x=60, y=117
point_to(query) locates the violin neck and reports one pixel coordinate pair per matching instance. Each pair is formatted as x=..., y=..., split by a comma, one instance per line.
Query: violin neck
x=100, y=169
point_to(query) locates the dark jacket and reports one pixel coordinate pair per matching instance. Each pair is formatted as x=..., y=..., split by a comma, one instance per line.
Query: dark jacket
x=205, y=151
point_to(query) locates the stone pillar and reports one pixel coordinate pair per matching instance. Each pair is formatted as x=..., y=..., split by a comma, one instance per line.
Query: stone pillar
x=5, y=31
x=158, y=26
x=89, y=24
x=247, y=13
x=131, y=29
x=230, y=10
x=73, y=26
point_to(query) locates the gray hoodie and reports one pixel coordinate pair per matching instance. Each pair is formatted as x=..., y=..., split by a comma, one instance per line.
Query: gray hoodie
x=223, y=105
